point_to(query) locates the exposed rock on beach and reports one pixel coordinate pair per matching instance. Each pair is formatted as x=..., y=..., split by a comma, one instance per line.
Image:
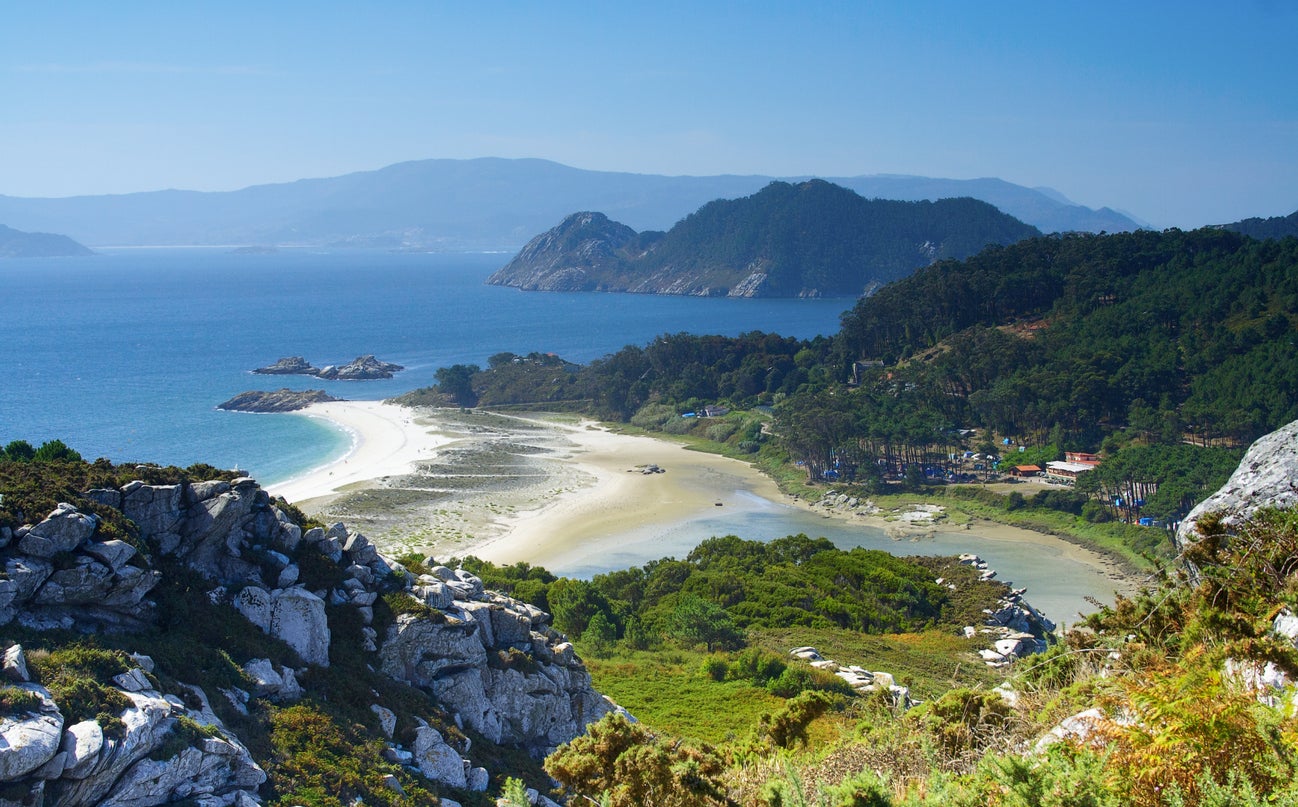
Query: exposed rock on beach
x=281, y=400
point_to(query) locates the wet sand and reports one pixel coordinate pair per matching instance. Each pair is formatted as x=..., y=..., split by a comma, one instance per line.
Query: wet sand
x=565, y=493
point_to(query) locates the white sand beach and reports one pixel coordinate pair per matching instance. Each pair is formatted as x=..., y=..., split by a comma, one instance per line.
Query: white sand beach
x=619, y=496
x=386, y=440
x=557, y=492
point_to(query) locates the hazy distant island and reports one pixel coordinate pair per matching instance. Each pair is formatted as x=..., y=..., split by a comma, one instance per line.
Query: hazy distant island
x=813, y=239
x=361, y=368
x=255, y=249
x=470, y=205
x=19, y=244
x=281, y=400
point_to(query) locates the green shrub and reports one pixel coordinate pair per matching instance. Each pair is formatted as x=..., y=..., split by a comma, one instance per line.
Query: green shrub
x=720, y=432
x=185, y=732
x=318, y=760
x=399, y=602
x=714, y=667
x=797, y=679
x=680, y=425
x=15, y=701
x=1095, y=512
x=73, y=676
x=757, y=666
x=789, y=725
x=653, y=416
x=414, y=562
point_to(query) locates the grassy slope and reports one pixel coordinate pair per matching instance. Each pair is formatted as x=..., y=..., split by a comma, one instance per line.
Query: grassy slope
x=666, y=690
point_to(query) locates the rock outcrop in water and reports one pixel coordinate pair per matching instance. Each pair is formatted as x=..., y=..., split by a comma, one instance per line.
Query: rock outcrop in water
x=493, y=663
x=280, y=400
x=361, y=368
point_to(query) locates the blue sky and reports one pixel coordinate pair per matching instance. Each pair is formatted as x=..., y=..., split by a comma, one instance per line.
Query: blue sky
x=1181, y=113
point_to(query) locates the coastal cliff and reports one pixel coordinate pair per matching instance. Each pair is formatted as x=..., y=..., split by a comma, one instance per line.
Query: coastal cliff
x=157, y=718
x=812, y=239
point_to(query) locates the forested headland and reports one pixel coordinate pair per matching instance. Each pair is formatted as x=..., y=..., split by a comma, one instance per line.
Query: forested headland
x=811, y=239
x=1166, y=352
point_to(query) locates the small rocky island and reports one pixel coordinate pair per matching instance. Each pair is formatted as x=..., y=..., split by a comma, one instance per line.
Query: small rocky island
x=281, y=400
x=361, y=368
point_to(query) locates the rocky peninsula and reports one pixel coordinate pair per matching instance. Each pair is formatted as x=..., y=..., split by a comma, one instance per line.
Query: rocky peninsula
x=281, y=400
x=361, y=368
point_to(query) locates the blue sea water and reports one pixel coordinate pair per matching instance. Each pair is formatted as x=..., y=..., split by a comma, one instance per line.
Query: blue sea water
x=126, y=354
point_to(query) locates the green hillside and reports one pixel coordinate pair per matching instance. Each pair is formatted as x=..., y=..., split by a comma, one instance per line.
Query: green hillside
x=813, y=239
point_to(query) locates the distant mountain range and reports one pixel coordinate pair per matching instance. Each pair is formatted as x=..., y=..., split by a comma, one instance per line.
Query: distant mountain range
x=18, y=244
x=481, y=204
x=813, y=239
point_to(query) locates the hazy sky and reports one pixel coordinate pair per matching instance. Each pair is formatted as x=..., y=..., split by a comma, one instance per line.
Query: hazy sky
x=1181, y=113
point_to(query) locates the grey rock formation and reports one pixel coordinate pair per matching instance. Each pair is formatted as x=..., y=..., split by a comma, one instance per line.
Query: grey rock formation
x=294, y=615
x=103, y=771
x=15, y=665
x=281, y=400
x=490, y=661
x=510, y=677
x=568, y=257
x=30, y=740
x=1265, y=478
x=270, y=681
x=62, y=531
x=436, y=759
x=289, y=365
x=361, y=368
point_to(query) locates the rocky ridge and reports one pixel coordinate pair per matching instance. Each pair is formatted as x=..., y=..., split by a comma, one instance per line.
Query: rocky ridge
x=494, y=664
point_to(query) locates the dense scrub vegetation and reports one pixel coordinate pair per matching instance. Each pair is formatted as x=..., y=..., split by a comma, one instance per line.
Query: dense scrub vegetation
x=1175, y=720
x=728, y=585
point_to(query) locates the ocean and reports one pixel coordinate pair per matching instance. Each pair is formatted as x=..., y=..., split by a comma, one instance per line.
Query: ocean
x=126, y=354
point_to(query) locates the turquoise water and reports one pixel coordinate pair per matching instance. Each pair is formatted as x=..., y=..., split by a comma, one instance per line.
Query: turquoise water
x=126, y=354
